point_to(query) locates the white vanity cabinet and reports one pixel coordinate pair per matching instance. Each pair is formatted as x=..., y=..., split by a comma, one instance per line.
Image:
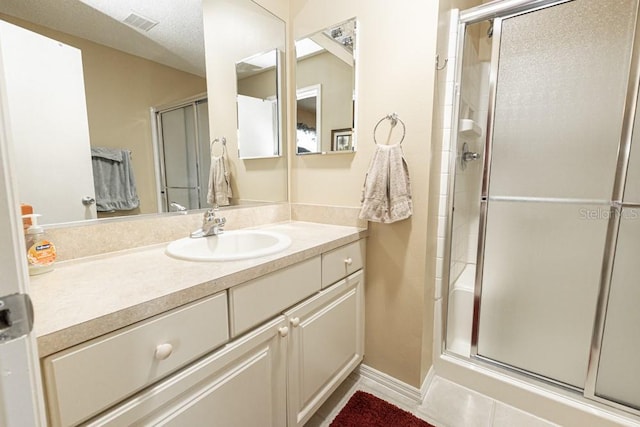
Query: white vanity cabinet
x=242, y=384
x=326, y=343
x=88, y=378
x=294, y=338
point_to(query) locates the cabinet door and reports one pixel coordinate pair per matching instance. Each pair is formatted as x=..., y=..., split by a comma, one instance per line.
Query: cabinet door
x=326, y=343
x=242, y=384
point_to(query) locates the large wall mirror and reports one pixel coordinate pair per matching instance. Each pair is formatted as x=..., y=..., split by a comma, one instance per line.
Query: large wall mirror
x=136, y=56
x=325, y=90
x=245, y=79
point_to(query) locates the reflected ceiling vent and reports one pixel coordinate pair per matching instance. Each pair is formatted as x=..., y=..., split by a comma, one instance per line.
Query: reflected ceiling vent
x=138, y=21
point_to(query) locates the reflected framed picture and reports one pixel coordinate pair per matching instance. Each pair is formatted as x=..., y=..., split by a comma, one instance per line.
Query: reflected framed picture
x=342, y=139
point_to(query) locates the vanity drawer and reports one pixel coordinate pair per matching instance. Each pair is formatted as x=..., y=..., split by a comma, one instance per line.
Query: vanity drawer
x=90, y=377
x=342, y=261
x=261, y=299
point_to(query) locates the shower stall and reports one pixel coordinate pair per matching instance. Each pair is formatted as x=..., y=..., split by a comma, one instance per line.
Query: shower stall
x=543, y=248
x=183, y=153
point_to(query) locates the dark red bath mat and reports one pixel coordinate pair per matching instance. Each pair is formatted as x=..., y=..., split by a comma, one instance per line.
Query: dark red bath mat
x=366, y=410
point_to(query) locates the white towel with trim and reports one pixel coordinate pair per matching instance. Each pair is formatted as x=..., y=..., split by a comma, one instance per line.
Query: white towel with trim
x=386, y=195
x=219, y=193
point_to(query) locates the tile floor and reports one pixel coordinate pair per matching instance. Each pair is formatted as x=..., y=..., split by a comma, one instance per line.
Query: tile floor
x=446, y=404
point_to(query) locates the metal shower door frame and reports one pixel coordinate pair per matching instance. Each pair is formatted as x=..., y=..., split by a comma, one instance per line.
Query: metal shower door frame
x=159, y=144
x=498, y=12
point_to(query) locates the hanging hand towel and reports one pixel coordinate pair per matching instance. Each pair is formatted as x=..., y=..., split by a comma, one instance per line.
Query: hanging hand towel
x=113, y=180
x=219, y=179
x=386, y=196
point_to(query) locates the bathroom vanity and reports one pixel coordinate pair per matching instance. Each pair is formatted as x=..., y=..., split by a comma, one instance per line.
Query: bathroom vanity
x=159, y=341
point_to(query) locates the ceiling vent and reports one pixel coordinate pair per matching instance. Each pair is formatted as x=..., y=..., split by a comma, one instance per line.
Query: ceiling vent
x=140, y=22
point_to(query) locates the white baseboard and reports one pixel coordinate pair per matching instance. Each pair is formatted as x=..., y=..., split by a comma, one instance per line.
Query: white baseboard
x=395, y=384
x=427, y=383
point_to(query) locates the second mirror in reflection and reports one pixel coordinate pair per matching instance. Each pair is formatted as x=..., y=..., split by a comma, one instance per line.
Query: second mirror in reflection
x=325, y=81
x=257, y=102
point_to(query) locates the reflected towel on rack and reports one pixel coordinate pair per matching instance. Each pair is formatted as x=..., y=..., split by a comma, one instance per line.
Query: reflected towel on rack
x=219, y=193
x=113, y=180
x=386, y=196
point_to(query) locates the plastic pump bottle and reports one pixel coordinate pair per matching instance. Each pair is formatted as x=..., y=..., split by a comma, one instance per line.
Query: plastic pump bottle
x=41, y=253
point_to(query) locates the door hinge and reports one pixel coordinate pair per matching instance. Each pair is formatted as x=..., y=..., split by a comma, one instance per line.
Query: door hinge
x=16, y=317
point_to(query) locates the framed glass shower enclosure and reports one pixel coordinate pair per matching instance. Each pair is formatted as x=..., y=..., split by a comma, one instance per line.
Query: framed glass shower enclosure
x=545, y=229
x=184, y=155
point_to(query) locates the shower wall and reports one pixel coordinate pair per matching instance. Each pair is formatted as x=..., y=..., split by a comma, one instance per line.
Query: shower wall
x=474, y=95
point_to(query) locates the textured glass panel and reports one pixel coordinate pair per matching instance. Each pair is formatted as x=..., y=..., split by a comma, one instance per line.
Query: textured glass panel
x=178, y=139
x=540, y=284
x=619, y=370
x=560, y=95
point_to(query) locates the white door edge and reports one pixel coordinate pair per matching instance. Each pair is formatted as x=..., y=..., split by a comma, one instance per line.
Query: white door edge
x=21, y=398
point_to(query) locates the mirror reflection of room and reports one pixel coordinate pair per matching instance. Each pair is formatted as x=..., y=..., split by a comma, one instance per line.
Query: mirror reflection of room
x=257, y=88
x=309, y=120
x=123, y=72
x=325, y=79
x=245, y=47
x=128, y=63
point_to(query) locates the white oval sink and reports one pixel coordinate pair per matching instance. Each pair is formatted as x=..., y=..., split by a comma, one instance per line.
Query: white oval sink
x=229, y=246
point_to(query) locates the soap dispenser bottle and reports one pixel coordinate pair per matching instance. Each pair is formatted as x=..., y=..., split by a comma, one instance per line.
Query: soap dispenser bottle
x=41, y=253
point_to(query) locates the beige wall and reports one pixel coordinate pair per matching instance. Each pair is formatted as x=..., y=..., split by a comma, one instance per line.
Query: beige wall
x=120, y=89
x=251, y=179
x=262, y=85
x=395, y=67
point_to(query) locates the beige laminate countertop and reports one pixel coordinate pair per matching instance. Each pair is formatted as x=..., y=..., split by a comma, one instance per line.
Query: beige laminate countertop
x=88, y=297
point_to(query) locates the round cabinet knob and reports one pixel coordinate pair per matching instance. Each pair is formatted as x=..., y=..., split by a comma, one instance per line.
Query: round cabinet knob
x=163, y=351
x=348, y=261
x=284, y=331
x=88, y=200
x=295, y=322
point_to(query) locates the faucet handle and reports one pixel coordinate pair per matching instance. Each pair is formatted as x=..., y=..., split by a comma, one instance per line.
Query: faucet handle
x=178, y=207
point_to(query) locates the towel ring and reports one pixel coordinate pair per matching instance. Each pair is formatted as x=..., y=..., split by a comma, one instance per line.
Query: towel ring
x=222, y=140
x=223, y=143
x=393, y=117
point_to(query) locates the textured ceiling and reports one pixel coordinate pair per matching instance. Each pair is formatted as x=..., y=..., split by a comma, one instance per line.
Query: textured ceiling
x=177, y=41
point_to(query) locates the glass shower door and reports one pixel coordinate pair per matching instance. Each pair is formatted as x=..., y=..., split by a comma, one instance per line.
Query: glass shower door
x=618, y=375
x=559, y=78
x=184, y=133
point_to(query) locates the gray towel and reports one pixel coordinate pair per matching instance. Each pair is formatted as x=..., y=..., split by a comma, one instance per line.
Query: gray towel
x=113, y=180
x=386, y=196
x=107, y=153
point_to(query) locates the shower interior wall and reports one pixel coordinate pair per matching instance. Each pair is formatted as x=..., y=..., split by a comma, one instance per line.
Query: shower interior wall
x=474, y=101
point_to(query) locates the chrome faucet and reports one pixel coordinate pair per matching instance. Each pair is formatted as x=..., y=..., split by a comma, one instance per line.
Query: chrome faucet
x=212, y=225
